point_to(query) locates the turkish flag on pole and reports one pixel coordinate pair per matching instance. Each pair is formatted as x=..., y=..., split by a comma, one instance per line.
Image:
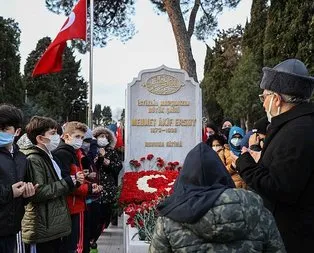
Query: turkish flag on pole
x=73, y=28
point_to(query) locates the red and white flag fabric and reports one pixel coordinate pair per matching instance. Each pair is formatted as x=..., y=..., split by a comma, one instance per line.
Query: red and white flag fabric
x=73, y=28
x=119, y=136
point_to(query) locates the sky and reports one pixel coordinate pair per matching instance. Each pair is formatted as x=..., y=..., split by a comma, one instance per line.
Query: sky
x=118, y=63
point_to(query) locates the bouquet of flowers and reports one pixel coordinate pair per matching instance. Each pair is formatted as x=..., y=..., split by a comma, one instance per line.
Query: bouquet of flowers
x=143, y=217
x=141, y=192
x=149, y=162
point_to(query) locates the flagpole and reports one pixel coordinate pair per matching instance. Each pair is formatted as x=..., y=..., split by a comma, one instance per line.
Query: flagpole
x=90, y=111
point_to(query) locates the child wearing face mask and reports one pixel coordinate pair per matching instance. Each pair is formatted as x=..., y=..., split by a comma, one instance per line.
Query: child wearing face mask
x=13, y=188
x=108, y=164
x=46, y=219
x=236, y=135
x=70, y=154
x=217, y=143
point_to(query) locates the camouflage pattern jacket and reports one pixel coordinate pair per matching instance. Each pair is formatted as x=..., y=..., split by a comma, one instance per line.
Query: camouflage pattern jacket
x=238, y=223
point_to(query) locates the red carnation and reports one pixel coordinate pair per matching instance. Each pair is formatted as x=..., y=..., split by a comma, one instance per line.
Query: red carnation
x=159, y=165
x=150, y=157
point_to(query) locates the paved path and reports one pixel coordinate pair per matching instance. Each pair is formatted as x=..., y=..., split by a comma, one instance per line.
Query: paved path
x=111, y=241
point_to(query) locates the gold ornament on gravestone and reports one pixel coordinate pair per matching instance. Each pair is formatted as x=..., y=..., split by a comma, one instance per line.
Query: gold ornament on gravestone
x=162, y=85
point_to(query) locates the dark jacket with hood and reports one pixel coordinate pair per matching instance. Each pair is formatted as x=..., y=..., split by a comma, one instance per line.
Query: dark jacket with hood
x=71, y=164
x=207, y=214
x=46, y=215
x=284, y=175
x=108, y=174
x=12, y=170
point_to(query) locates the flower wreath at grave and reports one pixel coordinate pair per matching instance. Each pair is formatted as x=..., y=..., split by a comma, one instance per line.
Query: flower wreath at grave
x=142, y=190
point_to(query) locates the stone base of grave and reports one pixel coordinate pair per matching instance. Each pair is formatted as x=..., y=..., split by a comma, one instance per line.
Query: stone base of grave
x=132, y=245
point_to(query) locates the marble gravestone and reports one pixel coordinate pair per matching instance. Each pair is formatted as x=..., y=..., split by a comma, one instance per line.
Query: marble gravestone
x=163, y=115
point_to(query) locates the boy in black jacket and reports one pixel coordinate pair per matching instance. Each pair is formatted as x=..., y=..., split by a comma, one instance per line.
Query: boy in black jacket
x=12, y=172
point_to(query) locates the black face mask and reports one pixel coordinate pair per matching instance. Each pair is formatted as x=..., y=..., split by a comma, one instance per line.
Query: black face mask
x=225, y=132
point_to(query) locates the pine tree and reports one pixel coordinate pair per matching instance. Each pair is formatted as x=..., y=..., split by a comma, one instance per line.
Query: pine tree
x=11, y=86
x=221, y=61
x=106, y=115
x=244, y=91
x=289, y=32
x=254, y=32
x=97, y=115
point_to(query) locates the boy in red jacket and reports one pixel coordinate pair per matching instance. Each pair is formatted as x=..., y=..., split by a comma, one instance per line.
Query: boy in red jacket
x=70, y=155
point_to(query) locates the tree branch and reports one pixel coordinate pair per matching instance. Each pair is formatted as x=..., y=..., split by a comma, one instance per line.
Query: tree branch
x=193, y=18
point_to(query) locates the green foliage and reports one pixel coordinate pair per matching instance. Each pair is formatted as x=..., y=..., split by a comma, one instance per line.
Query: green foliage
x=221, y=61
x=11, y=86
x=107, y=115
x=253, y=37
x=61, y=95
x=278, y=30
x=244, y=90
x=102, y=116
x=289, y=32
x=207, y=13
x=97, y=115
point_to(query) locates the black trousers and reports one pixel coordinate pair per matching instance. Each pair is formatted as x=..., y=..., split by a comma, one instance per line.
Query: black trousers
x=8, y=244
x=101, y=216
x=46, y=247
x=74, y=241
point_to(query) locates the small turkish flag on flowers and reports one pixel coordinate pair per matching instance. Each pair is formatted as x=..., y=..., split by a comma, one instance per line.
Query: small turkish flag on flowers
x=73, y=28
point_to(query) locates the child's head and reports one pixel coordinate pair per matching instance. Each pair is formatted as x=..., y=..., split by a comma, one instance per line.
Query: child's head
x=73, y=133
x=11, y=120
x=42, y=131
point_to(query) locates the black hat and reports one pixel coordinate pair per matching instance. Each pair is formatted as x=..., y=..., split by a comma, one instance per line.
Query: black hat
x=260, y=126
x=289, y=77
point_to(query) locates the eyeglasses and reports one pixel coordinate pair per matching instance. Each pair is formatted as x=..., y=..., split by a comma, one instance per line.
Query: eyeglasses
x=262, y=97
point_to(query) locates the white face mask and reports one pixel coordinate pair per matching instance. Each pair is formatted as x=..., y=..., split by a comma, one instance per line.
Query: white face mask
x=217, y=148
x=54, y=142
x=102, y=142
x=76, y=143
x=236, y=141
x=268, y=112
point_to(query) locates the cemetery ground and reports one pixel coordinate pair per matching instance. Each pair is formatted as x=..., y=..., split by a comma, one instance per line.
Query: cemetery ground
x=111, y=240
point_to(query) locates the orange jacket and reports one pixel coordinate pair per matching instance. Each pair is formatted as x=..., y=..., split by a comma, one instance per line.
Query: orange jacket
x=225, y=157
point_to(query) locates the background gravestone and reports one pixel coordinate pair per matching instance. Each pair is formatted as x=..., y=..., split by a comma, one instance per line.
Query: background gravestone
x=163, y=115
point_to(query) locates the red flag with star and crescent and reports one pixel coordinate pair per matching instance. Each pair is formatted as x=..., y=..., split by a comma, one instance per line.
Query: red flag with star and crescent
x=73, y=28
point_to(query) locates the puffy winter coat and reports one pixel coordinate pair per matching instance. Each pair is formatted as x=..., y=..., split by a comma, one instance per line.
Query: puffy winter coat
x=238, y=222
x=225, y=157
x=12, y=170
x=71, y=164
x=46, y=215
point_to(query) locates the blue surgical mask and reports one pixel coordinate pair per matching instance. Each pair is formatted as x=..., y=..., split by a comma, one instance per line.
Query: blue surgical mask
x=6, y=139
x=85, y=147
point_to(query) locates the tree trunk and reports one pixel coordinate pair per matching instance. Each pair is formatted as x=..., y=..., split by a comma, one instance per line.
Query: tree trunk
x=242, y=123
x=182, y=36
